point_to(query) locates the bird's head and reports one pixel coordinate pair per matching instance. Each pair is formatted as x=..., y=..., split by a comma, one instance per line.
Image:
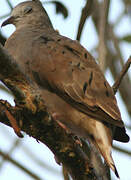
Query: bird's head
x=28, y=13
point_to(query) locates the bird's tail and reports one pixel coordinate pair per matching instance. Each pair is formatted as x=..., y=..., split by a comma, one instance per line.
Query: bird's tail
x=102, y=140
x=109, y=160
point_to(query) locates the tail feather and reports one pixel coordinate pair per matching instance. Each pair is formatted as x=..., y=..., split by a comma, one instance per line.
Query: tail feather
x=102, y=139
x=108, y=158
x=116, y=172
x=111, y=164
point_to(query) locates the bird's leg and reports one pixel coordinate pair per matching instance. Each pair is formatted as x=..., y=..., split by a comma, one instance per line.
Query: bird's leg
x=13, y=123
x=57, y=117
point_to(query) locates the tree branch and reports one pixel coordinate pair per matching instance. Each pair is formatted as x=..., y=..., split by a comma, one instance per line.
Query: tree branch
x=86, y=11
x=102, y=49
x=122, y=150
x=122, y=74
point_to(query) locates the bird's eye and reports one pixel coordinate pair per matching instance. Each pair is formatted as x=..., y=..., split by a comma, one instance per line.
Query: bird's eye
x=28, y=9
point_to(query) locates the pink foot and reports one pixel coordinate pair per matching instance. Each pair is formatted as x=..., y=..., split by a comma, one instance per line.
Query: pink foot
x=56, y=117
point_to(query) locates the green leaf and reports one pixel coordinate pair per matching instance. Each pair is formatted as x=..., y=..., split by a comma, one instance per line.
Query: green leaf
x=60, y=8
x=127, y=38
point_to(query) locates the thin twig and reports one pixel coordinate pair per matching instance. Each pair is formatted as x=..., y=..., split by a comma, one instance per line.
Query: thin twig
x=103, y=17
x=86, y=11
x=7, y=157
x=38, y=161
x=122, y=150
x=9, y=3
x=120, y=77
x=125, y=86
x=14, y=146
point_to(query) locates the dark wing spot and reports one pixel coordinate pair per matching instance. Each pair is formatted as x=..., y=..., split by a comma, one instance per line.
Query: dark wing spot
x=63, y=52
x=107, y=93
x=91, y=78
x=105, y=84
x=85, y=55
x=45, y=39
x=85, y=87
x=75, y=52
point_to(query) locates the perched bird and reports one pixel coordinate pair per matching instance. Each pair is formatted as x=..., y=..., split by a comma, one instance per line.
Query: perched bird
x=75, y=90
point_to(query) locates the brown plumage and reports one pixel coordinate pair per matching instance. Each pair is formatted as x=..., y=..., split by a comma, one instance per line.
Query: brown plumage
x=73, y=86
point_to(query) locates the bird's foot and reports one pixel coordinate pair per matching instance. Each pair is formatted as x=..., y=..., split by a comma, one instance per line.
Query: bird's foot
x=13, y=123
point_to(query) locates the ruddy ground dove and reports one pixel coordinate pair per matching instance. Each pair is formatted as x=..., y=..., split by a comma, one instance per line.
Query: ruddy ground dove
x=74, y=88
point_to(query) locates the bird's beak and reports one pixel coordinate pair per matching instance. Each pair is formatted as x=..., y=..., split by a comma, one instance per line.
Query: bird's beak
x=8, y=21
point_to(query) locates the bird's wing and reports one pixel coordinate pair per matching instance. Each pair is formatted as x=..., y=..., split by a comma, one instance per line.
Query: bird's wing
x=72, y=73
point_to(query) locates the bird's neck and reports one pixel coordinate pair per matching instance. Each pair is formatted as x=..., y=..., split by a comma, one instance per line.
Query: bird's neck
x=40, y=26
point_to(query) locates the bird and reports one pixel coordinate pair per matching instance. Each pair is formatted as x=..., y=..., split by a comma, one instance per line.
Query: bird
x=73, y=87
